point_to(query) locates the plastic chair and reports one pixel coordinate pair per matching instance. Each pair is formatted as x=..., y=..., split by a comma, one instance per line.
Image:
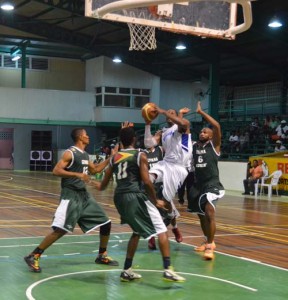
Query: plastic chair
x=275, y=176
x=262, y=179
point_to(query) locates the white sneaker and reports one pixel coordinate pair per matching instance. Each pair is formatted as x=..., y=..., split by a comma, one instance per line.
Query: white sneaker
x=170, y=275
x=128, y=275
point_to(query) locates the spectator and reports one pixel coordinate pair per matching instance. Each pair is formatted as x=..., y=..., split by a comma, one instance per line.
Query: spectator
x=254, y=129
x=279, y=147
x=274, y=123
x=282, y=130
x=234, y=141
x=254, y=173
x=244, y=141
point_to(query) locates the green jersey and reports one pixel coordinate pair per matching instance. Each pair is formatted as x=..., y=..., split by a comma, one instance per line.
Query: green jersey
x=126, y=168
x=79, y=164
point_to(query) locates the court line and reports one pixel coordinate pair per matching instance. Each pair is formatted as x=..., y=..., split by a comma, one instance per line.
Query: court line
x=31, y=287
x=125, y=240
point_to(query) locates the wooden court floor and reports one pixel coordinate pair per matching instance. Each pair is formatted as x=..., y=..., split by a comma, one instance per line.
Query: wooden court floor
x=251, y=256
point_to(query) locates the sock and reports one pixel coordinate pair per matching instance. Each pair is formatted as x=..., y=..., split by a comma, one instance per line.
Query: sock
x=128, y=263
x=37, y=251
x=166, y=262
x=102, y=250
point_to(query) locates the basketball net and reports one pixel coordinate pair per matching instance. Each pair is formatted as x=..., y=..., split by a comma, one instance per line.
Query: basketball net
x=142, y=37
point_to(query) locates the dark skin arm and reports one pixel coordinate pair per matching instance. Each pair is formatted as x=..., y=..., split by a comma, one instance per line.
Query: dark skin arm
x=59, y=169
x=100, y=186
x=216, y=139
x=183, y=124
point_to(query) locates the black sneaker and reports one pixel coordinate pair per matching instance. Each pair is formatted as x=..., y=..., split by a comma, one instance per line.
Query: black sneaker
x=104, y=259
x=33, y=262
x=129, y=275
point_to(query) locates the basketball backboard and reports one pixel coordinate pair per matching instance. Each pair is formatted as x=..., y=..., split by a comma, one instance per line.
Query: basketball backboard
x=212, y=18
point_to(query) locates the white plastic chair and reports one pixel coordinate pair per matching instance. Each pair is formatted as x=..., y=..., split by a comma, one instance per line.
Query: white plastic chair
x=275, y=176
x=262, y=179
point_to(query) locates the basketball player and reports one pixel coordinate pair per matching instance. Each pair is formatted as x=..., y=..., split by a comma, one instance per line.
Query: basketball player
x=154, y=155
x=136, y=208
x=177, y=144
x=207, y=188
x=76, y=204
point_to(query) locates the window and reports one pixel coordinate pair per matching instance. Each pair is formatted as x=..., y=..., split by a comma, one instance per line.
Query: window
x=122, y=96
x=34, y=63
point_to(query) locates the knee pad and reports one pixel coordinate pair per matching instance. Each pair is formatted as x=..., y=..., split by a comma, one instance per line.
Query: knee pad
x=105, y=229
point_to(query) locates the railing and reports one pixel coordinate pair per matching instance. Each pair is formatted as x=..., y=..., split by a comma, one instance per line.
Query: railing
x=244, y=109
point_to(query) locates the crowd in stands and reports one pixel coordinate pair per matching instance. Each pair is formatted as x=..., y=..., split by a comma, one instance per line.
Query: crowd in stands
x=269, y=136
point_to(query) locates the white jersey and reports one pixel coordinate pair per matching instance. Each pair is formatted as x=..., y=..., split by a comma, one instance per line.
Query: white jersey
x=177, y=146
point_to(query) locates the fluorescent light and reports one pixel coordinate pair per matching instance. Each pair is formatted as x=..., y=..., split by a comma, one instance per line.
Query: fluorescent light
x=16, y=57
x=117, y=60
x=275, y=23
x=180, y=46
x=7, y=6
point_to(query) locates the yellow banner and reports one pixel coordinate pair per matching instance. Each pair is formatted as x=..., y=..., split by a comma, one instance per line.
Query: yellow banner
x=274, y=162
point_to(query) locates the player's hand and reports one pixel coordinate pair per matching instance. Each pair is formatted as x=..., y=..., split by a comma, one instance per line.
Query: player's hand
x=95, y=184
x=161, y=204
x=184, y=110
x=84, y=177
x=126, y=124
x=159, y=110
x=199, y=108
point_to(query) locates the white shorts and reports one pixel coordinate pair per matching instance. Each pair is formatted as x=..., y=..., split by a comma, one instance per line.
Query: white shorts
x=171, y=175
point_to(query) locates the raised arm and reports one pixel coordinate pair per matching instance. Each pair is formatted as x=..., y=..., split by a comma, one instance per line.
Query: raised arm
x=216, y=126
x=183, y=124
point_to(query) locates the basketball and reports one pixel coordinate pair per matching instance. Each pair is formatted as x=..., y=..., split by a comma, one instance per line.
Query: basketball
x=149, y=112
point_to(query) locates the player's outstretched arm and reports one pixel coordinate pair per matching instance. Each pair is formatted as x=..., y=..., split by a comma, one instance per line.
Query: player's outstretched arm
x=215, y=124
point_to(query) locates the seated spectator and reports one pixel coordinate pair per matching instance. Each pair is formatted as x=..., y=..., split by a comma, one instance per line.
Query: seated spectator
x=254, y=173
x=282, y=130
x=244, y=141
x=279, y=147
x=274, y=123
x=234, y=141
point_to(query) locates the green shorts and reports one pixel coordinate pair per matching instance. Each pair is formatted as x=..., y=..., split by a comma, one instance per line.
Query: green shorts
x=140, y=214
x=78, y=207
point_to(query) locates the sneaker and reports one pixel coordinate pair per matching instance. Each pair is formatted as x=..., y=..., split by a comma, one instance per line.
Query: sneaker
x=181, y=201
x=202, y=247
x=178, y=235
x=106, y=260
x=129, y=275
x=170, y=275
x=32, y=260
x=152, y=243
x=209, y=252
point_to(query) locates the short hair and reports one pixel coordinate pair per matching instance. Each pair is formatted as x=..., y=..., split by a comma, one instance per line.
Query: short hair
x=126, y=136
x=76, y=132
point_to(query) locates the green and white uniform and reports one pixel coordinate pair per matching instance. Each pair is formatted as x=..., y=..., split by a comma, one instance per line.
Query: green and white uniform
x=77, y=206
x=132, y=203
x=207, y=185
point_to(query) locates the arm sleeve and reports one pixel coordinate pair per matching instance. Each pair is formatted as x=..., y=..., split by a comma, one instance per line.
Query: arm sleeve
x=149, y=140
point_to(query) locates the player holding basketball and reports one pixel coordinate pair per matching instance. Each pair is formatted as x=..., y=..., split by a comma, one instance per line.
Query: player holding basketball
x=173, y=169
x=76, y=204
x=207, y=188
x=136, y=208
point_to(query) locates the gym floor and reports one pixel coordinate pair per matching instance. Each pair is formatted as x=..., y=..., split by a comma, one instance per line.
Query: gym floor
x=251, y=256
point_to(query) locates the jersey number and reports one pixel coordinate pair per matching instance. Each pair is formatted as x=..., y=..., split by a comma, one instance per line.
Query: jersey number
x=122, y=173
x=200, y=159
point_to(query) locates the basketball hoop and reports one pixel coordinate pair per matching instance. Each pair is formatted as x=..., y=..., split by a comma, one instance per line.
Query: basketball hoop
x=142, y=37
